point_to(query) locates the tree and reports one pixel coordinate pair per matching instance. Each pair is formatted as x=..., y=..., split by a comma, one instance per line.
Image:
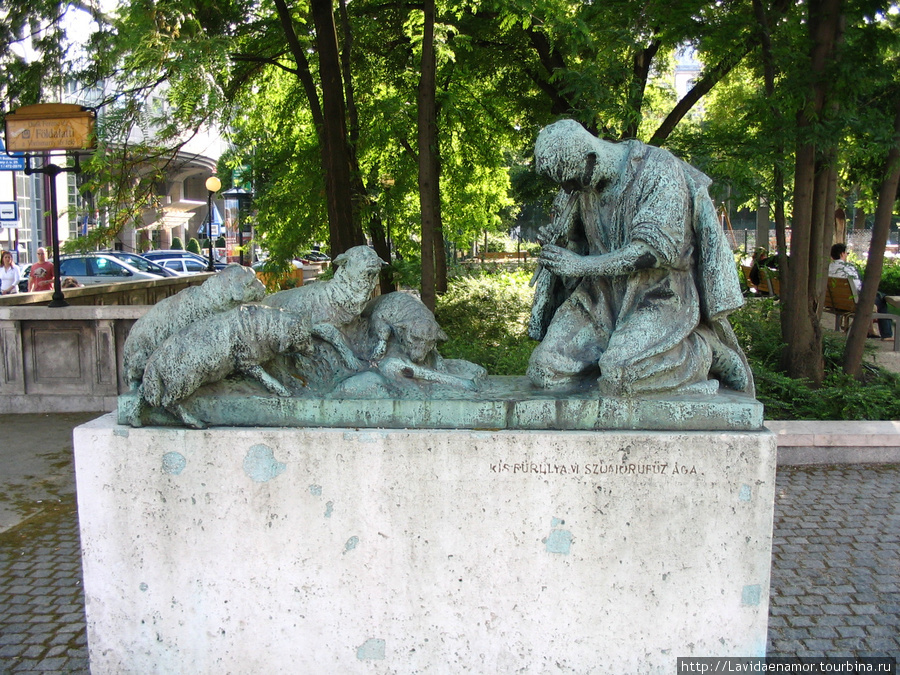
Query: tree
x=805, y=271
x=33, y=49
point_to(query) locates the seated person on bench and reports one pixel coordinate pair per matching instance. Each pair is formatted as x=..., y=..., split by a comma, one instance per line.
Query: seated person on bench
x=842, y=268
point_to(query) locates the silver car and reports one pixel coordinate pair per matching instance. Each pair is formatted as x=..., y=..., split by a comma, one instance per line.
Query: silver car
x=100, y=268
x=184, y=265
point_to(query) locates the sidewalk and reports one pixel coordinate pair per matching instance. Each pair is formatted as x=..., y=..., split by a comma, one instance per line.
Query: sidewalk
x=835, y=558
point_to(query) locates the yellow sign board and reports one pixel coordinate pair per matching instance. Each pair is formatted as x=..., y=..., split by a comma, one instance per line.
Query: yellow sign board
x=49, y=126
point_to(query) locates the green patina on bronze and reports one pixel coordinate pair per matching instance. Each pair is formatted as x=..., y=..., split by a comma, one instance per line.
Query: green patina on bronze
x=500, y=403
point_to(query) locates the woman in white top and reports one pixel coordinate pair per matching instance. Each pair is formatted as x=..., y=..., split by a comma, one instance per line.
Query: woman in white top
x=9, y=275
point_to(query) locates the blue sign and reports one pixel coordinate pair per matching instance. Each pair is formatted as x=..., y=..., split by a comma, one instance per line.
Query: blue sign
x=14, y=162
x=9, y=212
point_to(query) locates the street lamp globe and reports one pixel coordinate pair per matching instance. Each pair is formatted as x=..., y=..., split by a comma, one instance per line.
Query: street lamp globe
x=213, y=184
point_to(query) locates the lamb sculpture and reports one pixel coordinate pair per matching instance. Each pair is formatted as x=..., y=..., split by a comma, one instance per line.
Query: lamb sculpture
x=232, y=287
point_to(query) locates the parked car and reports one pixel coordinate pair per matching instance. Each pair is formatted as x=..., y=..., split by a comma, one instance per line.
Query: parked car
x=315, y=256
x=100, y=268
x=143, y=264
x=185, y=265
x=177, y=254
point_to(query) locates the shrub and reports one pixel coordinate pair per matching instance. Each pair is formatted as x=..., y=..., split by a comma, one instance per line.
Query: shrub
x=193, y=246
x=220, y=242
x=890, y=277
x=177, y=244
x=486, y=319
x=875, y=397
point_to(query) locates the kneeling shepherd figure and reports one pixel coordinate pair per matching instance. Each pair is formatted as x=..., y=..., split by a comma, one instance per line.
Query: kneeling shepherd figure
x=636, y=279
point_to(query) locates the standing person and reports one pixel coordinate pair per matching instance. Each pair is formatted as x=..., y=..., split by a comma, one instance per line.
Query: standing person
x=636, y=277
x=9, y=275
x=41, y=276
x=844, y=269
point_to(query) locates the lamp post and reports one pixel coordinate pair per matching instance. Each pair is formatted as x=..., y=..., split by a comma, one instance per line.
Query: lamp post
x=212, y=186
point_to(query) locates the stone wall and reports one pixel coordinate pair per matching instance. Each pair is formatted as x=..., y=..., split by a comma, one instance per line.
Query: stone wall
x=69, y=359
x=125, y=293
x=66, y=359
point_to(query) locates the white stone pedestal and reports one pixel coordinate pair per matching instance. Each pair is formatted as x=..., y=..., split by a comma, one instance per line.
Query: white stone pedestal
x=271, y=550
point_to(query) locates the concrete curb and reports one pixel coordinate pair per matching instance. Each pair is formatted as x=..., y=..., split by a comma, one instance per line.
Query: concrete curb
x=817, y=442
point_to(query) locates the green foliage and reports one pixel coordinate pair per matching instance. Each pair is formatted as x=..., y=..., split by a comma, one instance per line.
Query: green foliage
x=486, y=318
x=193, y=245
x=220, y=242
x=876, y=397
x=407, y=272
x=890, y=277
x=177, y=244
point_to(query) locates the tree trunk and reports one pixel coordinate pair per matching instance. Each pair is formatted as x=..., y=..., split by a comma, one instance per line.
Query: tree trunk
x=344, y=231
x=859, y=219
x=360, y=195
x=429, y=190
x=762, y=224
x=887, y=195
x=379, y=243
x=641, y=62
x=800, y=329
x=840, y=226
x=803, y=283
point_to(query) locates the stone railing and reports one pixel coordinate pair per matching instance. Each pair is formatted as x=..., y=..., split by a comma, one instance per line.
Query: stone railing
x=69, y=359
x=124, y=293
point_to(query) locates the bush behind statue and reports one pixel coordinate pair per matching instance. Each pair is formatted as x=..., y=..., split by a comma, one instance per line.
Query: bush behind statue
x=841, y=397
x=486, y=318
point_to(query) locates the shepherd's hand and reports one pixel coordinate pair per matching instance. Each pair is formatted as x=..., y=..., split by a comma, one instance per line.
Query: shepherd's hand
x=562, y=261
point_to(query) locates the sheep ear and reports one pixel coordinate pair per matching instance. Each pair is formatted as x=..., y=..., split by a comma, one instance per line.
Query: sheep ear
x=340, y=260
x=441, y=336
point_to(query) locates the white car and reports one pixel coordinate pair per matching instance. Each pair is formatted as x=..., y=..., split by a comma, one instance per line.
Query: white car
x=183, y=265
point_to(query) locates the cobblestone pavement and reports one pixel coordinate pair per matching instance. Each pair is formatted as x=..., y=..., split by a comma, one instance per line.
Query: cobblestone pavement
x=836, y=562
x=835, y=574
x=42, y=625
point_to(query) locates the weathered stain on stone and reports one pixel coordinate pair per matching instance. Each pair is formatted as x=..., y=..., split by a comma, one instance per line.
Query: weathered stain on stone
x=371, y=650
x=315, y=490
x=351, y=544
x=751, y=595
x=260, y=464
x=745, y=493
x=559, y=541
x=173, y=463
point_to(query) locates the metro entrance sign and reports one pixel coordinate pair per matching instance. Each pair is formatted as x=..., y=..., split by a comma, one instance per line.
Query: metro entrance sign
x=42, y=129
x=50, y=126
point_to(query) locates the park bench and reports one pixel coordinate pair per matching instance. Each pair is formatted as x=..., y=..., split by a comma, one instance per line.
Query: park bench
x=768, y=281
x=503, y=256
x=840, y=299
